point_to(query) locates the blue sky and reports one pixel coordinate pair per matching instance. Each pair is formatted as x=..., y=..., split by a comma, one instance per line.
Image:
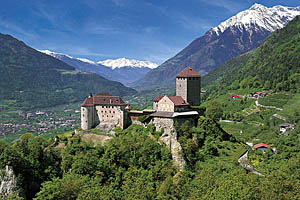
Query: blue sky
x=152, y=30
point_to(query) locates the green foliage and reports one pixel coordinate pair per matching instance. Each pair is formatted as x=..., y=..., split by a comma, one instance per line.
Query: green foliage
x=142, y=118
x=277, y=100
x=273, y=65
x=136, y=165
x=214, y=111
x=201, y=142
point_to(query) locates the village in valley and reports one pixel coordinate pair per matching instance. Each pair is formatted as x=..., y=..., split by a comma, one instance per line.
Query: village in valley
x=50, y=121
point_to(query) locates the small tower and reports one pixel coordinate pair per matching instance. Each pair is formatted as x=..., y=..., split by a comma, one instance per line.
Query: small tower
x=155, y=102
x=188, y=86
x=87, y=113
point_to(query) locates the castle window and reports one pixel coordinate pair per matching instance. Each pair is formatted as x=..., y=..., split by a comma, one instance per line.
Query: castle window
x=82, y=115
x=107, y=115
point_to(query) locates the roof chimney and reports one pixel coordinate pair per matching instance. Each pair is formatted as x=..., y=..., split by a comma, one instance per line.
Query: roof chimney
x=91, y=95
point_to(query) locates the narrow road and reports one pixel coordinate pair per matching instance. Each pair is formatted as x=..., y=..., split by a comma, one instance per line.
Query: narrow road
x=257, y=104
x=230, y=121
x=279, y=117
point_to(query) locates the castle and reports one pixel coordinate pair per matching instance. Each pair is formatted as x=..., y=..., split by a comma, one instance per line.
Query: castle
x=106, y=112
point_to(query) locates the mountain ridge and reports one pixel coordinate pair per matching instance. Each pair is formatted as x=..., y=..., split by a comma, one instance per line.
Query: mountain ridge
x=216, y=47
x=34, y=80
x=115, y=70
x=274, y=64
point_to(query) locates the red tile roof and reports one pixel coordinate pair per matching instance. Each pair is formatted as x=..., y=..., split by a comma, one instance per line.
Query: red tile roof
x=103, y=100
x=178, y=101
x=261, y=145
x=188, y=72
x=157, y=98
x=88, y=102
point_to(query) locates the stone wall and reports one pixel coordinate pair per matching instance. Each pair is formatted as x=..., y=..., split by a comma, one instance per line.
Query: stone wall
x=87, y=117
x=163, y=123
x=165, y=105
x=107, y=113
x=181, y=88
x=189, y=89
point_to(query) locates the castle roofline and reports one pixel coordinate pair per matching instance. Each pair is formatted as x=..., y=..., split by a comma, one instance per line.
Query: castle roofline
x=103, y=100
x=157, y=98
x=187, y=72
x=178, y=101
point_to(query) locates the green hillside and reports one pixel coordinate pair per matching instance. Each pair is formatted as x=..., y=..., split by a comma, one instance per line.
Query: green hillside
x=37, y=80
x=225, y=69
x=275, y=64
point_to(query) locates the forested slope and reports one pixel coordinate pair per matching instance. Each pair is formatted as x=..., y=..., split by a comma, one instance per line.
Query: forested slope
x=275, y=64
x=35, y=80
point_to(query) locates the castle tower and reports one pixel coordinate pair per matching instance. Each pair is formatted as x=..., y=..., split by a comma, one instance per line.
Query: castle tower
x=188, y=86
x=87, y=114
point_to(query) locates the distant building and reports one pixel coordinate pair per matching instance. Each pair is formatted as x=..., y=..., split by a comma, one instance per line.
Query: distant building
x=261, y=146
x=106, y=112
x=188, y=86
x=259, y=94
x=285, y=127
x=171, y=110
x=233, y=97
x=172, y=104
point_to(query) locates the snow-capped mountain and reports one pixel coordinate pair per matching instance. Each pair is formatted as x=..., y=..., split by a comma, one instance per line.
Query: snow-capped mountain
x=121, y=70
x=123, y=62
x=258, y=15
x=240, y=33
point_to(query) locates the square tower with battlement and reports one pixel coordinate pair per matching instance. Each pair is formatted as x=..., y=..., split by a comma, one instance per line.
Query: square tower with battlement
x=188, y=86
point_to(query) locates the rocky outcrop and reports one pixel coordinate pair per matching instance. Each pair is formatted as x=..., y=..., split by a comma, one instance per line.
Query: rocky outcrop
x=243, y=161
x=8, y=183
x=170, y=139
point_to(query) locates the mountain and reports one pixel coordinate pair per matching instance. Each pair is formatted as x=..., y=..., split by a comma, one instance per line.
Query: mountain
x=122, y=70
x=240, y=33
x=275, y=64
x=225, y=69
x=34, y=79
x=123, y=62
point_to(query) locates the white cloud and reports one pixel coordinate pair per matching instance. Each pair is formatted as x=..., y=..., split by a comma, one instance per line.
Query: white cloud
x=194, y=24
x=230, y=5
x=14, y=28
